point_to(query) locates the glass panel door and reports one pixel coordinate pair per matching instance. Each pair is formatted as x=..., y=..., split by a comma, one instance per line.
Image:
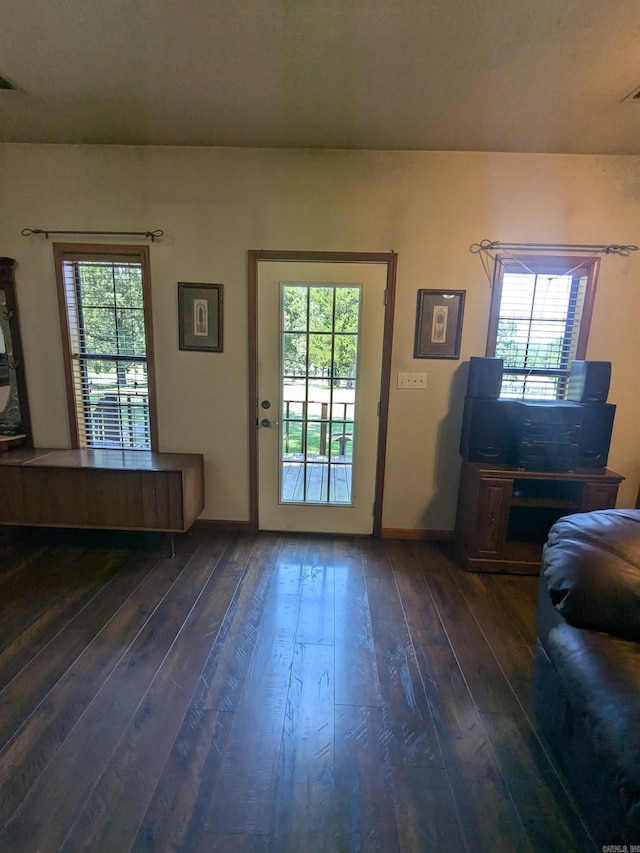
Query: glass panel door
x=320, y=339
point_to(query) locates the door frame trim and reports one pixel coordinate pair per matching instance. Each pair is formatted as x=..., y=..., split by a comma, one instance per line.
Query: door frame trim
x=254, y=256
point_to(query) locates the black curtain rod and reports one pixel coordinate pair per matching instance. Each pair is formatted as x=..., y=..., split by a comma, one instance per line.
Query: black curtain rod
x=149, y=235
x=603, y=249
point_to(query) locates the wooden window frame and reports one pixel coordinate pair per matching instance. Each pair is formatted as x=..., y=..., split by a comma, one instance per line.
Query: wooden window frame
x=541, y=265
x=139, y=254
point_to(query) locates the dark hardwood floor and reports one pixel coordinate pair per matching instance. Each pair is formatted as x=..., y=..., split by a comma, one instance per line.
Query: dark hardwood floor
x=268, y=693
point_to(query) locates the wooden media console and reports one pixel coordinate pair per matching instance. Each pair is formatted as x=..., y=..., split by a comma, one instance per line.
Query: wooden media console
x=103, y=489
x=504, y=513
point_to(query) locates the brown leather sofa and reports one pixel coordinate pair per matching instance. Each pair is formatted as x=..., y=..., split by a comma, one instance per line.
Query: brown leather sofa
x=587, y=669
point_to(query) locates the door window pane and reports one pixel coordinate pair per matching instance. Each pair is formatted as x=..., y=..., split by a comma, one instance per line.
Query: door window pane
x=319, y=345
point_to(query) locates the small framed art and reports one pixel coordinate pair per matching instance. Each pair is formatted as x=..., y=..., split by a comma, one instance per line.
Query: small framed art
x=439, y=323
x=200, y=316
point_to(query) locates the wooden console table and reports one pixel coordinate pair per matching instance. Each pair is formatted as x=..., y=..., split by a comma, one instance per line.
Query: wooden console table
x=504, y=514
x=107, y=489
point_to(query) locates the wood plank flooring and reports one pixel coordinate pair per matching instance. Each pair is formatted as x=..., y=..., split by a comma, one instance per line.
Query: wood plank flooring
x=268, y=693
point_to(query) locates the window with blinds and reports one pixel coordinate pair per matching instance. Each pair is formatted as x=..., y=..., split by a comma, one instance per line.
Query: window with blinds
x=539, y=322
x=104, y=294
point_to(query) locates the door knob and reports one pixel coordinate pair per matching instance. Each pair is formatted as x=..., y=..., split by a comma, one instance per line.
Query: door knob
x=265, y=422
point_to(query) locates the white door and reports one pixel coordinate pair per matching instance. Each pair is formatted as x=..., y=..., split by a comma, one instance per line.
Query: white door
x=320, y=336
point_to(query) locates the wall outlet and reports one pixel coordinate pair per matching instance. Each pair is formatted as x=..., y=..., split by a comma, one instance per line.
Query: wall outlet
x=412, y=380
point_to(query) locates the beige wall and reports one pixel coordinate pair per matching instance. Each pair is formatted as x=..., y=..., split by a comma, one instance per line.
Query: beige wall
x=214, y=204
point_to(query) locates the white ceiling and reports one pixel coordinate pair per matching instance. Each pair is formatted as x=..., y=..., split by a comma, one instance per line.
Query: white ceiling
x=480, y=75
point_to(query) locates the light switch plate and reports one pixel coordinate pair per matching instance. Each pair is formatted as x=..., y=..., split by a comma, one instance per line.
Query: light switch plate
x=412, y=381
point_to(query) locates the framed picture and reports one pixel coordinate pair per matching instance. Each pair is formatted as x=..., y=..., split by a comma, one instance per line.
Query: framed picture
x=200, y=316
x=439, y=323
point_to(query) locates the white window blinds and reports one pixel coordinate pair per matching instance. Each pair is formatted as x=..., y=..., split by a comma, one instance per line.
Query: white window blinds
x=108, y=359
x=540, y=325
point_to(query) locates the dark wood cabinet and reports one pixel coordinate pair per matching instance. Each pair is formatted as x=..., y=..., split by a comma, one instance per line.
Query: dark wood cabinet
x=108, y=489
x=504, y=514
